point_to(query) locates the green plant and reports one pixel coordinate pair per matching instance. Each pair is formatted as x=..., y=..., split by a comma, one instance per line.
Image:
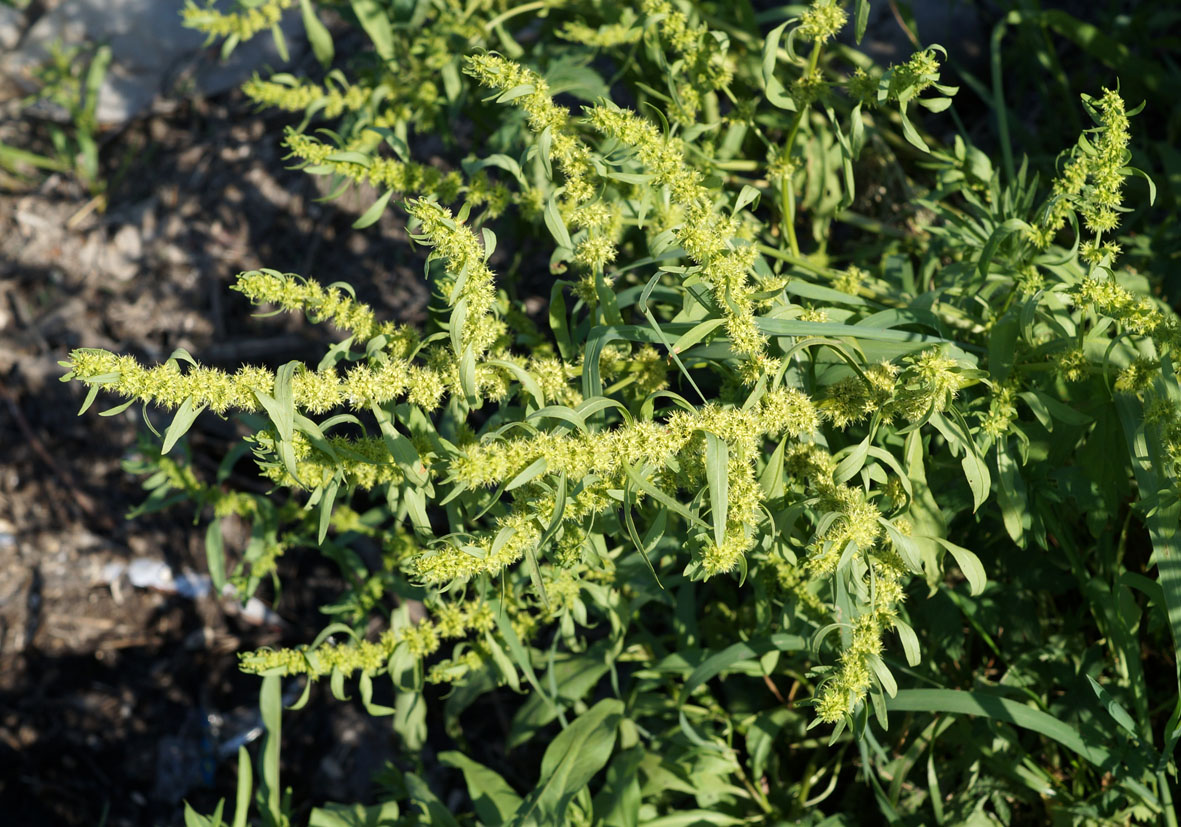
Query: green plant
x=759, y=428
x=69, y=80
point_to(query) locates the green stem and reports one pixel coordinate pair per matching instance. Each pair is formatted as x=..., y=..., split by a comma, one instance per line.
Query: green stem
x=998, y=94
x=1165, y=793
x=513, y=12
x=787, y=188
x=788, y=196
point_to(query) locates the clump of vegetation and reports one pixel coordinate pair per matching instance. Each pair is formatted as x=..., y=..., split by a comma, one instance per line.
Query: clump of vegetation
x=719, y=514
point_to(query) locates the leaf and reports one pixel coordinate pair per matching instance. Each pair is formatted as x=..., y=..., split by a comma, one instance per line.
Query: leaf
x=186, y=414
x=571, y=678
x=400, y=447
x=958, y=702
x=910, y=642
x=245, y=788
x=773, y=89
x=281, y=407
x=882, y=673
x=270, y=702
x=999, y=234
x=696, y=334
x=326, y=501
x=215, y=555
x=494, y=800
x=968, y=563
x=861, y=18
x=906, y=546
x=376, y=22
x=617, y=803
x=1114, y=709
x=355, y=815
x=318, y=36
x=557, y=227
x=717, y=464
x=727, y=659
x=748, y=195
x=852, y=463
x=516, y=649
x=910, y=133
x=370, y=216
x=437, y=814
x=558, y=323
x=572, y=759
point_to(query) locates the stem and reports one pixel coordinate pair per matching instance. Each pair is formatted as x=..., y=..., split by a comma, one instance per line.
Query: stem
x=789, y=211
x=787, y=198
x=513, y=12
x=998, y=96
x=1165, y=793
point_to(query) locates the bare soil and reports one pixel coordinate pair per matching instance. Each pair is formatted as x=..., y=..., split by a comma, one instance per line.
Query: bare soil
x=113, y=699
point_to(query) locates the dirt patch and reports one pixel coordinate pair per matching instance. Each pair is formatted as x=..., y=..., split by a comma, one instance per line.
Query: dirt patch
x=115, y=699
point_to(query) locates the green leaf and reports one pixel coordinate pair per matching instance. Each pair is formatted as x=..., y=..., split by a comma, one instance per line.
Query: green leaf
x=696, y=334
x=245, y=788
x=557, y=227
x=516, y=648
x=355, y=815
x=571, y=678
x=186, y=414
x=1002, y=231
x=958, y=702
x=436, y=813
x=572, y=759
x=558, y=323
x=910, y=133
x=318, y=36
x=215, y=555
x=326, y=501
x=195, y=819
x=494, y=800
x=270, y=702
x=910, y=642
x=1114, y=709
x=852, y=463
x=668, y=502
x=717, y=464
x=400, y=447
x=773, y=89
x=728, y=658
x=374, y=212
x=617, y=803
x=968, y=563
x=906, y=547
x=861, y=19
x=376, y=22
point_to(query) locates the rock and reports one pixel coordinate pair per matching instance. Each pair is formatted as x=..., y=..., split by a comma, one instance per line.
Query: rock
x=151, y=52
x=12, y=23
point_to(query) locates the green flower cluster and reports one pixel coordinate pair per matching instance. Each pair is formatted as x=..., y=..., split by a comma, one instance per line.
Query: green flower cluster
x=242, y=24
x=607, y=36
x=363, y=463
x=849, y=522
x=608, y=458
x=822, y=20
x=927, y=385
x=707, y=236
x=332, y=304
x=383, y=173
x=291, y=95
x=703, y=63
x=1092, y=181
x=471, y=280
x=529, y=92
